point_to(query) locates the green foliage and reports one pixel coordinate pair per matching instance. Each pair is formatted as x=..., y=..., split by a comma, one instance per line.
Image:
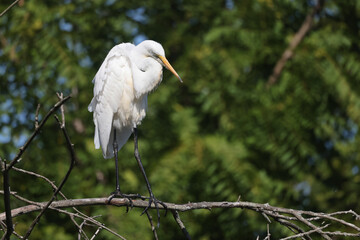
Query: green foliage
x=219, y=135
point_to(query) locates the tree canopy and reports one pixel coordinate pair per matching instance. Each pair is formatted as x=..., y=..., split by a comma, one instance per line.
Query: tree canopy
x=224, y=132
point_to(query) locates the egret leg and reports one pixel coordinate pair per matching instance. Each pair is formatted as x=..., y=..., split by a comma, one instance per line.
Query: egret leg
x=152, y=198
x=117, y=192
x=115, y=146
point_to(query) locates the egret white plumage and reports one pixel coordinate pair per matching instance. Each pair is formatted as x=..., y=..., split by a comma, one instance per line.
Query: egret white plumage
x=121, y=86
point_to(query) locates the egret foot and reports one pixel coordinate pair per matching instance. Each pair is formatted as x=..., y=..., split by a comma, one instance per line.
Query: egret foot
x=129, y=197
x=156, y=202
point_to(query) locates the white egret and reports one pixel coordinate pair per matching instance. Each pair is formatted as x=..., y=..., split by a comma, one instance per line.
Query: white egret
x=121, y=86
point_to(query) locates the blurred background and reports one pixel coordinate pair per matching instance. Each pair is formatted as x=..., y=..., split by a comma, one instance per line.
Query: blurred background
x=222, y=133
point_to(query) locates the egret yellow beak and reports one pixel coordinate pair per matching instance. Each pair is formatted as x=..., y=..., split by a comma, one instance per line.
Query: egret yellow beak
x=168, y=66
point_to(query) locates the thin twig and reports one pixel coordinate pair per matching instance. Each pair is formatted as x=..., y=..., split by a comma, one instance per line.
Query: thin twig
x=6, y=185
x=61, y=97
x=305, y=233
x=37, y=116
x=317, y=229
x=70, y=147
x=293, y=227
x=17, y=158
x=36, y=131
x=72, y=215
x=298, y=37
x=96, y=233
x=181, y=224
x=153, y=229
x=81, y=231
x=51, y=184
x=285, y=220
x=8, y=8
x=268, y=232
x=54, y=187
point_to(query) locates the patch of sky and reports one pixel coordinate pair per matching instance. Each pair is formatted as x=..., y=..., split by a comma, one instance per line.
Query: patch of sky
x=22, y=118
x=329, y=144
x=312, y=3
x=12, y=155
x=2, y=69
x=69, y=43
x=7, y=104
x=350, y=133
x=85, y=62
x=20, y=141
x=139, y=38
x=28, y=68
x=229, y=4
x=5, y=135
x=39, y=94
x=65, y=26
x=4, y=118
x=303, y=187
x=78, y=48
x=355, y=170
x=11, y=78
x=61, y=80
x=130, y=28
x=109, y=2
x=138, y=15
x=19, y=91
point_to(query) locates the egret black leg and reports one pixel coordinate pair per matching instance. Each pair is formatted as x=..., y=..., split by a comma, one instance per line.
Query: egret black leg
x=117, y=192
x=117, y=188
x=152, y=198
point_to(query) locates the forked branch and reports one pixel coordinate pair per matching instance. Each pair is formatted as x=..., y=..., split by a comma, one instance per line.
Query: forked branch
x=316, y=222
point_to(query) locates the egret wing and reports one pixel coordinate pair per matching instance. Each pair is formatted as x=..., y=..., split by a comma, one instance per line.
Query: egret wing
x=109, y=84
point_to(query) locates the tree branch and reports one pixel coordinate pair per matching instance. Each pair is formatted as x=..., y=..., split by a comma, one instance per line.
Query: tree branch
x=70, y=147
x=9, y=7
x=123, y=202
x=298, y=37
x=181, y=224
x=6, y=184
x=36, y=131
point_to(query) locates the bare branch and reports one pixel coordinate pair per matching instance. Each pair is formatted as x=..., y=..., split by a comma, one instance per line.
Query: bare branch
x=9, y=7
x=305, y=233
x=54, y=187
x=72, y=163
x=6, y=185
x=61, y=97
x=122, y=202
x=35, y=133
x=293, y=227
x=72, y=215
x=153, y=229
x=37, y=116
x=268, y=232
x=315, y=228
x=180, y=223
x=96, y=233
x=81, y=231
x=298, y=37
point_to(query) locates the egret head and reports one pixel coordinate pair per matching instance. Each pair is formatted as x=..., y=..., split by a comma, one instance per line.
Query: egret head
x=156, y=51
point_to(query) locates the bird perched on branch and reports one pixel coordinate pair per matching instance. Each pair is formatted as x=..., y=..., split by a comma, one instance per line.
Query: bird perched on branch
x=121, y=85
